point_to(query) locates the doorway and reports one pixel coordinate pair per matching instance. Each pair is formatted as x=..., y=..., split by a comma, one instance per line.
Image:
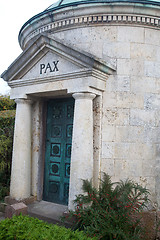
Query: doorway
x=59, y=127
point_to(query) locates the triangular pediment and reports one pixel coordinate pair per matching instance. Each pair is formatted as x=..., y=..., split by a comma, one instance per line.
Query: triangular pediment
x=48, y=58
x=52, y=65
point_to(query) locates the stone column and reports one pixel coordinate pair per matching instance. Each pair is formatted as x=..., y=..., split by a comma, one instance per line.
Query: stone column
x=21, y=159
x=82, y=144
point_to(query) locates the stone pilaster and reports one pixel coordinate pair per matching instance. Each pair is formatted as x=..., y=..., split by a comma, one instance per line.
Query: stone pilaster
x=82, y=144
x=21, y=160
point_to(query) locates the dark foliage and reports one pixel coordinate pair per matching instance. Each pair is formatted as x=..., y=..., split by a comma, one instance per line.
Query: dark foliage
x=107, y=213
x=7, y=118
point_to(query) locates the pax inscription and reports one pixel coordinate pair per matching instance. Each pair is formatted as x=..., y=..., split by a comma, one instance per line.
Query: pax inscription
x=49, y=67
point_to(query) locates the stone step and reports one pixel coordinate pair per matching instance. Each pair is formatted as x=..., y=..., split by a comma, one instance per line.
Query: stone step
x=46, y=211
x=49, y=212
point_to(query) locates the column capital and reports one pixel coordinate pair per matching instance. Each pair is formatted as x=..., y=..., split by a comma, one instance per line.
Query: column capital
x=23, y=101
x=83, y=95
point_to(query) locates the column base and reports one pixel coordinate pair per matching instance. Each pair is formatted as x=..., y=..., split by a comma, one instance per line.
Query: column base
x=16, y=209
x=8, y=200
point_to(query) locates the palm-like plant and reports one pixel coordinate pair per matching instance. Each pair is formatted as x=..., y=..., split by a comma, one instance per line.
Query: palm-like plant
x=109, y=212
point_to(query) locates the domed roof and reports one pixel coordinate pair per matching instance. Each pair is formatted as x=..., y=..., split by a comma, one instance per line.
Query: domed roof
x=38, y=23
x=65, y=3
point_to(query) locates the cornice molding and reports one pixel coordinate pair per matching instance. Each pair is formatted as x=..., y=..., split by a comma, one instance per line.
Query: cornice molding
x=63, y=77
x=82, y=21
x=97, y=15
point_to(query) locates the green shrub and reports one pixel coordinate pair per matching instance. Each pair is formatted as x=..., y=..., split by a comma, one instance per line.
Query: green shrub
x=4, y=184
x=6, y=103
x=7, y=118
x=108, y=213
x=28, y=228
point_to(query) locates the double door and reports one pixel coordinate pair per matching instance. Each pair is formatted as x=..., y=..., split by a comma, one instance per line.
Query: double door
x=58, y=150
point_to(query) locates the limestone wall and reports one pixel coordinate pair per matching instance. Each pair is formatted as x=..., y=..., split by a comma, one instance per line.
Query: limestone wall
x=131, y=102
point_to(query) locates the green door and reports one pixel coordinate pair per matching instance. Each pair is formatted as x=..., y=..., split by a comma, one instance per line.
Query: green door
x=58, y=150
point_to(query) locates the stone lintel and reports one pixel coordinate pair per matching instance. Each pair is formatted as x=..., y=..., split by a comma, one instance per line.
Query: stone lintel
x=62, y=87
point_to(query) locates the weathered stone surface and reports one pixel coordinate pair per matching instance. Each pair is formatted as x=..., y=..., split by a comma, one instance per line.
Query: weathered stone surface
x=130, y=100
x=151, y=69
x=143, y=51
x=109, y=133
x=11, y=201
x=116, y=116
x=151, y=38
x=134, y=35
x=123, y=66
x=141, y=117
x=129, y=134
x=143, y=85
x=120, y=50
x=15, y=209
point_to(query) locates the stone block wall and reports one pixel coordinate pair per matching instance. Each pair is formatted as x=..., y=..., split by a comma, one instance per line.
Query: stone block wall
x=131, y=102
x=131, y=111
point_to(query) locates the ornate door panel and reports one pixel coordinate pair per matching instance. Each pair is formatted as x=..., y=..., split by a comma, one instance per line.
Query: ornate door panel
x=58, y=150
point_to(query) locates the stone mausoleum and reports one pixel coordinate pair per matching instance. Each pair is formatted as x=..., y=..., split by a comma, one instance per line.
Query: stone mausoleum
x=87, y=88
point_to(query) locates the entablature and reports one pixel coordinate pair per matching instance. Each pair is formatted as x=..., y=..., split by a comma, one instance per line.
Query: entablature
x=50, y=65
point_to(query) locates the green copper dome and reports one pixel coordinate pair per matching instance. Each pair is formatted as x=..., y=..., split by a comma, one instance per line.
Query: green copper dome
x=65, y=3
